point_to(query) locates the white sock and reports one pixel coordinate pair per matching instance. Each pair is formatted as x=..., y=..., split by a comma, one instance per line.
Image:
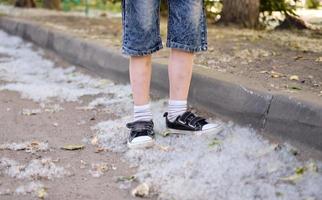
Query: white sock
x=176, y=108
x=142, y=113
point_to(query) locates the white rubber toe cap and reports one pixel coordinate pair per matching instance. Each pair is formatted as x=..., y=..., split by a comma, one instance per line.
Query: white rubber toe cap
x=215, y=128
x=141, y=142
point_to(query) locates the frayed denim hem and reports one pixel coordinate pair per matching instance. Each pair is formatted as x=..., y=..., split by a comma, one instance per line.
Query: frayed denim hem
x=188, y=48
x=131, y=52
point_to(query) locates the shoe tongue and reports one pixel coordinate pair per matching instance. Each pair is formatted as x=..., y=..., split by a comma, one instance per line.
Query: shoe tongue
x=141, y=126
x=138, y=128
x=139, y=133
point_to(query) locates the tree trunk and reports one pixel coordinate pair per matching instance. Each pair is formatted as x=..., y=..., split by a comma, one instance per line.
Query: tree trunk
x=241, y=12
x=52, y=4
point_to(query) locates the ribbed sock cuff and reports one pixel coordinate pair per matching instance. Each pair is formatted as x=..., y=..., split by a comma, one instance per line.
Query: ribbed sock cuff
x=176, y=108
x=142, y=113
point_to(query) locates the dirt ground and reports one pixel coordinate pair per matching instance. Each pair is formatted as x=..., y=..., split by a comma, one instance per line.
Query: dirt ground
x=91, y=172
x=16, y=127
x=279, y=61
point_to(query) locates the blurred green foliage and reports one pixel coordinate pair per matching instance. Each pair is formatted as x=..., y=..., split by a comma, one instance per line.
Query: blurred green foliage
x=7, y=1
x=214, y=7
x=284, y=6
x=312, y=4
x=79, y=5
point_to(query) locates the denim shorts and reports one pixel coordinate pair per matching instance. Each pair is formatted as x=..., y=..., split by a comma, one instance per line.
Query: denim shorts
x=187, y=27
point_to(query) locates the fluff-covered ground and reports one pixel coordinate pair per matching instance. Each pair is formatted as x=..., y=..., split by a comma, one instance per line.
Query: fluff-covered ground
x=235, y=164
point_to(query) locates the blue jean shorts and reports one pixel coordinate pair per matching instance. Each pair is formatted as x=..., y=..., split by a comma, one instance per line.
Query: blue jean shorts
x=187, y=27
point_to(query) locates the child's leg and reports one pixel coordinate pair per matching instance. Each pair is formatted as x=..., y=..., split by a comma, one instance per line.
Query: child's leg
x=141, y=38
x=140, y=77
x=180, y=71
x=186, y=34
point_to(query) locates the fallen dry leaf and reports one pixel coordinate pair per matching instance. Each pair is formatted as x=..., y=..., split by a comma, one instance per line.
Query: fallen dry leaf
x=34, y=143
x=102, y=167
x=295, y=88
x=83, y=164
x=319, y=59
x=312, y=166
x=294, y=78
x=42, y=193
x=165, y=133
x=125, y=178
x=292, y=178
x=85, y=108
x=298, y=57
x=94, y=141
x=100, y=149
x=264, y=72
x=53, y=108
x=141, y=190
x=214, y=142
x=29, y=112
x=275, y=74
x=103, y=83
x=299, y=172
x=164, y=148
x=99, y=169
x=114, y=167
x=72, y=147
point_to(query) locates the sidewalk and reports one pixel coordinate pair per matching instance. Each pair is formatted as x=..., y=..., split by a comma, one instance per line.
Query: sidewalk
x=291, y=109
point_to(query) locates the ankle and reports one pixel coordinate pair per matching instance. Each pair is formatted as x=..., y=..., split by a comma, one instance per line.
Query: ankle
x=176, y=108
x=142, y=112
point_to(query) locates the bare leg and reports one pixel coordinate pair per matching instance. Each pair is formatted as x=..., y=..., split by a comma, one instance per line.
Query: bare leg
x=180, y=71
x=140, y=76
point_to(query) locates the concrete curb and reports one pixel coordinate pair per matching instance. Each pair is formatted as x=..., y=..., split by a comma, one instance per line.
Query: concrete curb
x=279, y=114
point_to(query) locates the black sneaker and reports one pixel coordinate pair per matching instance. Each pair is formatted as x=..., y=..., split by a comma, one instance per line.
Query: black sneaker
x=190, y=123
x=141, y=135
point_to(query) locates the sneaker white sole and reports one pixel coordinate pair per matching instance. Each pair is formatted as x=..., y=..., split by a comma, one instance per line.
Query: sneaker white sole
x=214, y=130
x=140, y=145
